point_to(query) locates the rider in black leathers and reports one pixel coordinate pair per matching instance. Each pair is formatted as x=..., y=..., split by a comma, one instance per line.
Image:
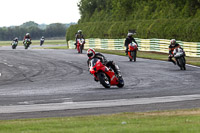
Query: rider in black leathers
x=129, y=39
x=91, y=54
x=78, y=35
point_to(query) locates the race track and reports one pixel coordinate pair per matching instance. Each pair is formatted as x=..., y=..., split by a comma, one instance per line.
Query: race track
x=56, y=83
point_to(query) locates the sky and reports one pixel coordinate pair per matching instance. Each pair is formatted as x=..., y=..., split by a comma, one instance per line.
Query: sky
x=17, y=12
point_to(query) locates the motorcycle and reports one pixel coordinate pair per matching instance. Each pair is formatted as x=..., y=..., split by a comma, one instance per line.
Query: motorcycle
x=27, y=43
x=80, y=45
x=41, y=41
x=179, y=55
x=132, y=51
x=105, y=75
x=14, y=44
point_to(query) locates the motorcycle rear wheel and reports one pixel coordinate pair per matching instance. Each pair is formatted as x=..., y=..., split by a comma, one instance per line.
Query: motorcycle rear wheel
x=81, y=49
x=134, y=55
x=121, y=83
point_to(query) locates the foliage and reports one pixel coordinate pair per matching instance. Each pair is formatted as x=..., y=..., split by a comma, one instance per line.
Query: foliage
x=150, y=18
x=181, y=29
x=125, y=10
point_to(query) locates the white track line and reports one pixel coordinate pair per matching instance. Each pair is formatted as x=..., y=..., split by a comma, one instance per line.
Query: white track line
x=192, y=66
x=95, y=104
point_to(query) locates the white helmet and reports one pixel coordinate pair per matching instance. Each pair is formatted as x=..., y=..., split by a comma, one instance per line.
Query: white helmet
x=173, y=42
x=27, y=34
x=130, y=34
x=79, y=31
x=91, y=53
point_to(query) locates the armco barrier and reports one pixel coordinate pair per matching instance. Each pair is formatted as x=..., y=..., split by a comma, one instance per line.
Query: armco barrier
x=158, y=45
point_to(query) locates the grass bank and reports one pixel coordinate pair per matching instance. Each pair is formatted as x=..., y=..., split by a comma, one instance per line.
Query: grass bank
x=183, y=121
x=53, y=47
x=152, y=55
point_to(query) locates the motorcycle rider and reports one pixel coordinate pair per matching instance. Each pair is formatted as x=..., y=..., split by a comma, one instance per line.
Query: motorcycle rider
x=15, y=39
x=42, y=40
x=14, y=43
x=129, y=39
x=172, y=46
x=92, y=54
x=79, y=35
x=27, y=36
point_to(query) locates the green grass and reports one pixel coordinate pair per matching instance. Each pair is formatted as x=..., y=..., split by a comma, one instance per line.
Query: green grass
x=35, y=42
x=183, y=121
x=152, y=55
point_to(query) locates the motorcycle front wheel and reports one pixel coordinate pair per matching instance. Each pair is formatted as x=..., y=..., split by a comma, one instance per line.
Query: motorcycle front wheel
x=103, y=79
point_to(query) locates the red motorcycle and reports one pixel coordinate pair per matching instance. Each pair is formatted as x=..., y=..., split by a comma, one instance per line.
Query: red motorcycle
x=132, y=51
x=105, y=75
x=80, y=45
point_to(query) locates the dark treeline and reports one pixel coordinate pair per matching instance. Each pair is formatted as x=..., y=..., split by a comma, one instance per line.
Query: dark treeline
x=126, y=10
x=36, y=31
x=165, y=19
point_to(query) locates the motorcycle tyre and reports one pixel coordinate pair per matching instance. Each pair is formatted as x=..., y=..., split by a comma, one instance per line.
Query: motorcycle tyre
x=134, y=55
x=121, y=83
x=101, y=77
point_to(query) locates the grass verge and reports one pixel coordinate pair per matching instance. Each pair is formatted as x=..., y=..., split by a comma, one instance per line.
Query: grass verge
x=35, y=42
x=54, y=47
x=183, y=121
x=152, y=55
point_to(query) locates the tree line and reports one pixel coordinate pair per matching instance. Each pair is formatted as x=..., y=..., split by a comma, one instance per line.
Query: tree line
x=164, y=19
x=127, y=10
x=36, y=31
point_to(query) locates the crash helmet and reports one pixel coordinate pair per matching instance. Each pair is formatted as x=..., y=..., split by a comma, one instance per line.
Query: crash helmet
x=90, y=53
x=129, y=34
x=79, y=31
x=173, y=41
x=27, y=34
x=16, y=38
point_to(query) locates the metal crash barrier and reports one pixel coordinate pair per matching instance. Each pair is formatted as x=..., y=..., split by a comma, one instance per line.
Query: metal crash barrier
x=191, y=49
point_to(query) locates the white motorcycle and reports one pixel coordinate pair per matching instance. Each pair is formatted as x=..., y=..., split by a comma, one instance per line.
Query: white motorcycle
x=179, y=55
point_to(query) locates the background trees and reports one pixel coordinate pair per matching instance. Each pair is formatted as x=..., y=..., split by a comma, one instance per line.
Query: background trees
x=125, y=10
x=36, y=30
x=164, y=19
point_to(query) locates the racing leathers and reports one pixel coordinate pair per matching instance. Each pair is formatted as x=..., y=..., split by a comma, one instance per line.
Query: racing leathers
x=26, y=37
x=129, y=40
x=171, y=54
x=79, y=36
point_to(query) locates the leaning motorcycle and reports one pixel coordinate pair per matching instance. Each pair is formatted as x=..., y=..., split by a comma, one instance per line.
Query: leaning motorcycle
x=132, y=51
x=41, y=41
x=14, y=44
x=27, y=43
x=179, y=55
x=80, y=45
x=105, y=75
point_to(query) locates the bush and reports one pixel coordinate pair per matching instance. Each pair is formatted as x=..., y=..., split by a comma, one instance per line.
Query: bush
x=180, y=29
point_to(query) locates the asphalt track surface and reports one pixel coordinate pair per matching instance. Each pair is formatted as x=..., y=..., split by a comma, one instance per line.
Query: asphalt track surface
x=57, y=83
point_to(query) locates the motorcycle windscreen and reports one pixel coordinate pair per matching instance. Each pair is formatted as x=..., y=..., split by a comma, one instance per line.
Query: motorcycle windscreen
x=93, y=62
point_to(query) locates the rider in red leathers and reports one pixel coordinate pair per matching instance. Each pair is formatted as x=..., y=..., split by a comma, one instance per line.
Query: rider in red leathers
x=27, y=36
x=92, y=54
